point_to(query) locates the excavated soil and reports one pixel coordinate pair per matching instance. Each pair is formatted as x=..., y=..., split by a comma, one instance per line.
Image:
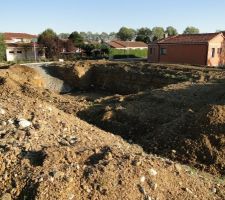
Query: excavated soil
x=60, y=156
x=172, y=118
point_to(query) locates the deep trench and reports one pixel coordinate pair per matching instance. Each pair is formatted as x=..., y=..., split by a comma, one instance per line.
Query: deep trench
x=130, y=128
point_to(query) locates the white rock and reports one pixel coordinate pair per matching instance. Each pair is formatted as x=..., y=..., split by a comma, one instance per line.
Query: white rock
x=152, y=172
x=2, y=111
x=214, y=190
x=24, y=123
x=10, y=121
x=49, y=109
x=142, y=179
x=174, y=151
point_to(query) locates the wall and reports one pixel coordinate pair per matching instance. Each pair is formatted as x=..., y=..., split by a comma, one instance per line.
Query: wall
x=218, y=59
x=195, y=54
x=27, y=54
x=154, y=56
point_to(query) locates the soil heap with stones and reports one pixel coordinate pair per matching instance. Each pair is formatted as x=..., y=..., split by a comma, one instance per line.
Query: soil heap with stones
x=47, y=152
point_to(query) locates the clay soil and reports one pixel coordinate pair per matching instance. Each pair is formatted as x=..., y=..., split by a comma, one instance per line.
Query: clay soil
x=165, y=143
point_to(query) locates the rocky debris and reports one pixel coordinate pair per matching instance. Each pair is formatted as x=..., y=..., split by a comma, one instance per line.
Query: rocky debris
x=142, y=179
x=23, y=123
x=59, y=156
x=2, y=111
x=152, y=172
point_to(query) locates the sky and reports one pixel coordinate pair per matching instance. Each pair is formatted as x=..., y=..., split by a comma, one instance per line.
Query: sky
x=66, y=16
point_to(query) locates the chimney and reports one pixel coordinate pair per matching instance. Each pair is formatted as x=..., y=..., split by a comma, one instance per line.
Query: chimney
x=165, y=35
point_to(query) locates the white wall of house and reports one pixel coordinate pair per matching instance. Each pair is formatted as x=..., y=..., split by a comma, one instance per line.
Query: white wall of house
x=21, y=54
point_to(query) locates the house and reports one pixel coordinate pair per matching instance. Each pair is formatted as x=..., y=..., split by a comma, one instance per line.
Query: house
x=125, y=45
x=196, y=49
x=22, y=47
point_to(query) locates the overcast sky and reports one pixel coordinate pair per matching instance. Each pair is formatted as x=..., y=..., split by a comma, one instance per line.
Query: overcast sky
x=33, y=16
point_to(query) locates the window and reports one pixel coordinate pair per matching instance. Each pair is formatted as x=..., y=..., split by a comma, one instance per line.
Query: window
x=19, y=52
x=219, y=50
x=213, y=52
x=11, y=52
x=163, y=51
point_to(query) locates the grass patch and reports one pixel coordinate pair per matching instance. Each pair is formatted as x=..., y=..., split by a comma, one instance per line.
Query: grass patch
x=132, y=53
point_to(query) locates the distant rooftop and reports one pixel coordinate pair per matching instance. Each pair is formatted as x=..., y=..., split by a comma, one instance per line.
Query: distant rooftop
x=10, y=36
x=127, y=44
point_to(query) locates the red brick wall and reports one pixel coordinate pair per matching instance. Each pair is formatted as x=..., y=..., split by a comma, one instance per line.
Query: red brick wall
x=154, y=56
x=185, y=54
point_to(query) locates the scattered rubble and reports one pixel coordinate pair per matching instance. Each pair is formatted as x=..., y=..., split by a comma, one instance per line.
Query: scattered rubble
x=52, y=154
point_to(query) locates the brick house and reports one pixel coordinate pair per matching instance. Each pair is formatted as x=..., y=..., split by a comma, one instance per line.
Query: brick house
x=20, y=47
x=196, y=49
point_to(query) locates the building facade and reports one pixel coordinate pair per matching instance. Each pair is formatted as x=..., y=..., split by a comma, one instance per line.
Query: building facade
x=22, y=47
x=195, y=49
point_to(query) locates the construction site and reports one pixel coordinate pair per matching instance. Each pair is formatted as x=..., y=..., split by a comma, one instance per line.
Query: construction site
x=112, y=130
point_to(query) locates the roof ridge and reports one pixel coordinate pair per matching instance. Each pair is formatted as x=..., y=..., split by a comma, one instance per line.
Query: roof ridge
x=192, y=34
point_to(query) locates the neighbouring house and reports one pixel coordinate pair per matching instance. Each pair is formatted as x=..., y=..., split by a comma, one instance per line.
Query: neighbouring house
x=22, y=47
x=125, y=45
x=196, y=49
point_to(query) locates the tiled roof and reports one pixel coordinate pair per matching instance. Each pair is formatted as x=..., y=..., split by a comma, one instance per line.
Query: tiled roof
x=127, y=44
x=189, y=38
x=10, y=36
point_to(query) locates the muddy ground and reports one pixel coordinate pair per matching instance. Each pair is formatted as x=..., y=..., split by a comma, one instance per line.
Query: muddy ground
x=161, y=142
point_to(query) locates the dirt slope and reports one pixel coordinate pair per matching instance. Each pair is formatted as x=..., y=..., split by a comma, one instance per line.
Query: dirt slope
x=47, y=153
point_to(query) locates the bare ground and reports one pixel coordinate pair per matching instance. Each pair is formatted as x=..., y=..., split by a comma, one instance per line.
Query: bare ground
x=60, y=156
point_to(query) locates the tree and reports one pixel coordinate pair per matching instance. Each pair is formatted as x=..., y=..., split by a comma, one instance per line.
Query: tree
x=112, y=36
x=126, y=34
x=88, y=48
x=144, y=35
x=191, y=30
x=157, y=33
x=63, y=36
x=84, y=35
x=104, y=36
x=49, y=40
x=105, y=49
x=2, y=48
x=171, y=31
x=76, y=38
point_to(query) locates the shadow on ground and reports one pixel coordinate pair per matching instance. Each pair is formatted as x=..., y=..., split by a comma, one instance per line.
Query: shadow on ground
x=184, y=122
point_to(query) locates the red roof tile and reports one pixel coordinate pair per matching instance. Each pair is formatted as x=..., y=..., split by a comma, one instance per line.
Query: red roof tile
x=188, y=38
x=10, y=36
x=127, y=44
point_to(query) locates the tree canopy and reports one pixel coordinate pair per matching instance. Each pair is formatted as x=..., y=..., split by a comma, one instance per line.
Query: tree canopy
x=191, y=30
x=76, y=38
x=63, y=35
x=2, y=48
x=144, y=35
x=157, y=33
x=126, y=34
x=171, y=31
x=49, y=40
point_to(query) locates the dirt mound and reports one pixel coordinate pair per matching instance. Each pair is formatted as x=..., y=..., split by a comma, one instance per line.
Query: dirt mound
x=23, y=74
x=178, y=121
x=208, y=143
x=46, y=153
